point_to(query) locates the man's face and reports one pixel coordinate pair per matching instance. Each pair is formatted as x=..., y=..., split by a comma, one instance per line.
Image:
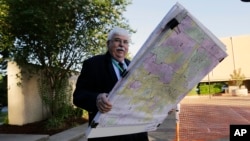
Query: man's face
x=118, y=47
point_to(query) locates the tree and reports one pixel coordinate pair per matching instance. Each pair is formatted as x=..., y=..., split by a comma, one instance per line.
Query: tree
x=58, y=35
x=6, y=39
x=6, y=45
x=237, y=78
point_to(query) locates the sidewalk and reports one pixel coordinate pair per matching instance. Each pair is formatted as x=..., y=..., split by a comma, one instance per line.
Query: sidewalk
x=166, y=132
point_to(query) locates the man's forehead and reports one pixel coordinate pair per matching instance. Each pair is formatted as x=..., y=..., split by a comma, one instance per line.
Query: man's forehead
x=117, y=36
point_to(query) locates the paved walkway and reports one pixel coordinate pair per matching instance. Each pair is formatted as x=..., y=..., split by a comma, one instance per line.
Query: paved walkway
x=202, y=118
x=205, y=118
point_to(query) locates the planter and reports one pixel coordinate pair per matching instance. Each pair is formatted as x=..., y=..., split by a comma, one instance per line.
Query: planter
x=240, y=92
x=231, y=88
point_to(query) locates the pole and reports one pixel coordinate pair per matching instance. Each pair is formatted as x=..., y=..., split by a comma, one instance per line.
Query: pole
x=232, y=51
x=177, y=112
x=209, y=91
x=177, y=131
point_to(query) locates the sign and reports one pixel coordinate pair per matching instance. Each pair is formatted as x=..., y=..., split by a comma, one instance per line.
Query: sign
x=239, y=132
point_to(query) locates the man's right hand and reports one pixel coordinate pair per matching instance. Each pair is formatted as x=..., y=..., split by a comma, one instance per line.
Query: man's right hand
x=102, y=103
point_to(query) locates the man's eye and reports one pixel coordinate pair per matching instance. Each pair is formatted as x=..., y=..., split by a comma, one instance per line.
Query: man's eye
x=121, y=41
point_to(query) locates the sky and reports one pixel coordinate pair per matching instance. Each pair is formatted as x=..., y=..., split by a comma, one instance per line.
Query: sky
x=224, y=18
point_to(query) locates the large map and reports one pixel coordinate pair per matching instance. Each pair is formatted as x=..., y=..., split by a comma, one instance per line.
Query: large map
x=173, y=60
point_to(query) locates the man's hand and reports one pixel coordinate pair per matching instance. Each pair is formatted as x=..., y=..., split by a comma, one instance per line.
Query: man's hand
x=171, y=111
x=102, y=103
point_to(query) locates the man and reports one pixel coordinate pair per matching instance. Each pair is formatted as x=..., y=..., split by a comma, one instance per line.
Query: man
x=98, y=76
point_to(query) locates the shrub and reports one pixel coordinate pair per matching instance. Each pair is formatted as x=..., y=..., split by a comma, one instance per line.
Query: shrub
x=212, y=88
x=237, y=78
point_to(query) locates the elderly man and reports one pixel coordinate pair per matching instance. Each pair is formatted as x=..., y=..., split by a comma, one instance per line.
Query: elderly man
x=98, y=76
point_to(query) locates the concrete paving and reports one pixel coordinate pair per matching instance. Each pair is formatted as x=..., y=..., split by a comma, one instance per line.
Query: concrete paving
x=73, y=134
x=165, y=132
x=23, y=137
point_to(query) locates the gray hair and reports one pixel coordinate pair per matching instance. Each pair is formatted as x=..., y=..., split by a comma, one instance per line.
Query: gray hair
x=118, y=31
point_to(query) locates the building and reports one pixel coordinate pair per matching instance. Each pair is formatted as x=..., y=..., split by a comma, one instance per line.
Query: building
x=238, y=50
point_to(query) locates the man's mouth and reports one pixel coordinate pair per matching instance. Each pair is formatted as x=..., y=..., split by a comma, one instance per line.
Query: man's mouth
x=120, y=49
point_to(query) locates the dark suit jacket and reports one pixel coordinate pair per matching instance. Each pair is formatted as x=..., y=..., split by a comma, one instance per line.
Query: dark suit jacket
x=98, y=76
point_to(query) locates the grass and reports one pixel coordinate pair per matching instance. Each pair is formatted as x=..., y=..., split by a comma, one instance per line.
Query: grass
x=3, y=116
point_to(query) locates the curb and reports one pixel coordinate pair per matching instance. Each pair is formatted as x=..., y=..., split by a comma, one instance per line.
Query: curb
x=72, y=134
x=23, y=137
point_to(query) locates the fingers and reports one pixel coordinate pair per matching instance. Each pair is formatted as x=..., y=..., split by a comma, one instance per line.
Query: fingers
x=171, y=111
x=102, y=103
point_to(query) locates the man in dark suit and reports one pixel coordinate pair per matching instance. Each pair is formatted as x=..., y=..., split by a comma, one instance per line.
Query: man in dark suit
x=98, y=76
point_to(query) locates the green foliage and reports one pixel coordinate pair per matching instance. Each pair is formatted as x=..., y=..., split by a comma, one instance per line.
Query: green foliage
x=54, y=123
x=4, y=117
x=193, y=91
x=3, y=90
x=62, y=33
x=85, y=114
x=64, y=113
x=6, y=38
x=58, y=36
x=209, y=89
x=57, y=97
x=6, y=120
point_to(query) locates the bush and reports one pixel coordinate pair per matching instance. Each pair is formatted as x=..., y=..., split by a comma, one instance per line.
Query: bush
x=212, y=88
x=4, y=117
x=65, y=113
x=193, y=91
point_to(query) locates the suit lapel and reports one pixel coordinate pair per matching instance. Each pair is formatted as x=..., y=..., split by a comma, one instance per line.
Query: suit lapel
x=113, y=76
x=112, y=71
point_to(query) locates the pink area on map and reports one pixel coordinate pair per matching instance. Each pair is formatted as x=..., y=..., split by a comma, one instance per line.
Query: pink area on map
x=135, y=85
x=162, y=70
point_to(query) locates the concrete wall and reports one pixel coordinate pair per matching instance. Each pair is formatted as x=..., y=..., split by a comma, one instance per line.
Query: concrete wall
x=24, y=102
x=238, y=49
